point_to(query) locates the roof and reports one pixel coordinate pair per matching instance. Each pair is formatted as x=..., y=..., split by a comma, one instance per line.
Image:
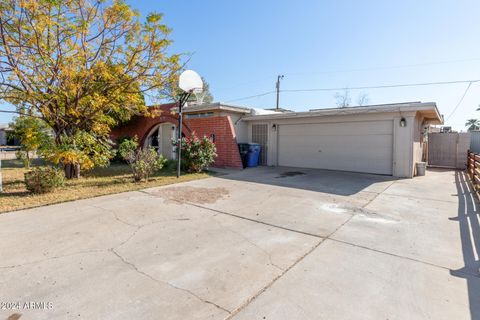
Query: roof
x=428, y=110
x=217, y=106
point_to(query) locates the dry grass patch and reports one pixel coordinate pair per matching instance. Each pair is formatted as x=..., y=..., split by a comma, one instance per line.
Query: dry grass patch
x=101, y=181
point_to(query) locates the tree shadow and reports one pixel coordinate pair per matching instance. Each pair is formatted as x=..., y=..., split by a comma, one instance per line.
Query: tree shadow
x=342, y=183
x=16, y=163
x=468, y=219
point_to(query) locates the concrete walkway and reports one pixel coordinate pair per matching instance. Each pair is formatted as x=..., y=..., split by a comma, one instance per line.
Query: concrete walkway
x=267, y=243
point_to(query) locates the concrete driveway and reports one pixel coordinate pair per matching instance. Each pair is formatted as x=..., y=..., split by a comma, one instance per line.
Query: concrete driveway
x=264, y=243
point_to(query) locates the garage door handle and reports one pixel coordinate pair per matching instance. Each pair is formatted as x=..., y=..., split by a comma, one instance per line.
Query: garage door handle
x=319, y=150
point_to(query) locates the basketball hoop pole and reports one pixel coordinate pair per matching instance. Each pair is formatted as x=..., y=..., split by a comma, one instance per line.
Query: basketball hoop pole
x=183, y=98
x=189, y=81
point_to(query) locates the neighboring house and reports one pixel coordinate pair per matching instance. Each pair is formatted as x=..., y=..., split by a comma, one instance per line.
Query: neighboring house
x=380, y=139
x=4, y=132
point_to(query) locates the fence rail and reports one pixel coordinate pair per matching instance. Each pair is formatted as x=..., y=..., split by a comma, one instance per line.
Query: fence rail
x=473, y=168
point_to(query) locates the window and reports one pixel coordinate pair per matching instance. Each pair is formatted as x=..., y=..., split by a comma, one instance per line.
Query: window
x=199, y=115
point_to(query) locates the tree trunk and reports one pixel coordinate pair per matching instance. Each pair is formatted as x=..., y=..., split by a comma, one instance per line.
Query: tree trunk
x=29, y=161
x=72, y=171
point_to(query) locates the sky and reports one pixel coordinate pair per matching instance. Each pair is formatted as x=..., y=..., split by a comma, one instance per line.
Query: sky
x=241, y=46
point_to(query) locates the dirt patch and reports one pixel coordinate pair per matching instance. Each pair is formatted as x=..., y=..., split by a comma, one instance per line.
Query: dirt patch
x=290, y=174
x=192, y=194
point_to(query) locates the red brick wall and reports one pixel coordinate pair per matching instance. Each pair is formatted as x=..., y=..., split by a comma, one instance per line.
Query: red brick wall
x=140, y=126
x=225, y=138
x=222, y=127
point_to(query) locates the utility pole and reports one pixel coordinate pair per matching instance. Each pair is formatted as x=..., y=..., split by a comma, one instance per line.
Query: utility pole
x=279, y=77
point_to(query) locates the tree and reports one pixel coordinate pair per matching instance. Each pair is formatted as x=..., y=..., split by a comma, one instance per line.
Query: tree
x=204, y=97
x=33, y=135
x=343, y=99
x=174, y=93
x=82, y=150
x=472, y=124
x=363, y=99
x=82, y=66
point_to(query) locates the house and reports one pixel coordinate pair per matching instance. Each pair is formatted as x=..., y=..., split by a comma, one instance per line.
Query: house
x=381, y=139
x=5, y=139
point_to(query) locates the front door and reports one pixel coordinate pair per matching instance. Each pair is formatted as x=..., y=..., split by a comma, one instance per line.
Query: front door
x=160, y=138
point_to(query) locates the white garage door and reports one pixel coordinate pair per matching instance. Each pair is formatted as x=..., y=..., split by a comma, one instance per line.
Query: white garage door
x=349, y=146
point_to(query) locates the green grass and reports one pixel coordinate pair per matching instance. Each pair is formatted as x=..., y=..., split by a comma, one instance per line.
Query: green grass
x=100, y=181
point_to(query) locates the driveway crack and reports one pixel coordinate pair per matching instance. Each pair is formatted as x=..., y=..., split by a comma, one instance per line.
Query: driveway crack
x=116, y=217
x=136, y=269
x=250, y=242
x=52, y=258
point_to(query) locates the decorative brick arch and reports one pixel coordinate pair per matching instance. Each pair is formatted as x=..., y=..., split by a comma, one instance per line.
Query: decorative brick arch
x=162, y=119
x=140, y=126
x=220, y=127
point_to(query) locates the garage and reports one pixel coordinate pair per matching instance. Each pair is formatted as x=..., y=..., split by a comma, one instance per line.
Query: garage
x=356, y=146
x=378, y=139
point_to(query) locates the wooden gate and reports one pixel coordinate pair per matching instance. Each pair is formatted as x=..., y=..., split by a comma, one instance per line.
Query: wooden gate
x=448, y=150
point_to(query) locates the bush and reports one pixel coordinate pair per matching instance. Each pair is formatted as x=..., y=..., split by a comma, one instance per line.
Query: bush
x=124, y=144
x=44, y=179
x=197, y=154
x=143, y=162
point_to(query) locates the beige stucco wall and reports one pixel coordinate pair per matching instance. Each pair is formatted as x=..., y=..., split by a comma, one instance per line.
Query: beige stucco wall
x=404, y=153
x=418, y=140
x=241, y=127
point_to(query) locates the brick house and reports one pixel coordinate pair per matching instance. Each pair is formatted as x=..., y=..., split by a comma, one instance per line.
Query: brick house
x=380, y=139
x=218, y=121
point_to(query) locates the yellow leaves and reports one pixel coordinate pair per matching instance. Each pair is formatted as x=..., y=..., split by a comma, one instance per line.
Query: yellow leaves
x=28, y=4
x=101, y=128
x=89, y=72
x=72, y=157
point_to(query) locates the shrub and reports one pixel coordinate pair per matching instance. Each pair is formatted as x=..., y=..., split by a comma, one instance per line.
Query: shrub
x=44, y=179
x=143, y=162
x=124, y=144
x=197, y=154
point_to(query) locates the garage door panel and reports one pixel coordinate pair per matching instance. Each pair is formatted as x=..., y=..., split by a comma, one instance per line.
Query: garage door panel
x=339, y=129
x=316, y=146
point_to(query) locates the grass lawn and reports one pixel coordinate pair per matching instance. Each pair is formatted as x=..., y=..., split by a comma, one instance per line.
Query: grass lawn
x=100, y=181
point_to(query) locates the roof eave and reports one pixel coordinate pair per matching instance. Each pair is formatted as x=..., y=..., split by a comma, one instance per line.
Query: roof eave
x=214, y=107
x=433, y=116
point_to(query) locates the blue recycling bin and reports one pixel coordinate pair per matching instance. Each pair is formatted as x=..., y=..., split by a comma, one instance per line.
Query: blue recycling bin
x=253, y=155
x=250, y=154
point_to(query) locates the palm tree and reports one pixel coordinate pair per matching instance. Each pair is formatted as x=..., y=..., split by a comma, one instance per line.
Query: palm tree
x=472, y=124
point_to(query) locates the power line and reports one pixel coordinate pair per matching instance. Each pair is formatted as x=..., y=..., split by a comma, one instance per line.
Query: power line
x=251, y=97
x=460, y=101
x=383, y=86
x=358, y=88
x=383, y=68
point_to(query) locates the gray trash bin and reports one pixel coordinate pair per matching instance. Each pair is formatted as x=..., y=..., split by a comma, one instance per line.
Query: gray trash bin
x=421, y=166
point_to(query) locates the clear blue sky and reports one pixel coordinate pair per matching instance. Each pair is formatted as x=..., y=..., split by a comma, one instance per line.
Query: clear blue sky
x=240, y=47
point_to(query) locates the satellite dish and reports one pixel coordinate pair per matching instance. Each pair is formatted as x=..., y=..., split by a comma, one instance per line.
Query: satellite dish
x=190, y=82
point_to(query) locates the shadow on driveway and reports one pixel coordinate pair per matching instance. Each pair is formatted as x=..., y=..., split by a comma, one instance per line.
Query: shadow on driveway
x=468, y=219
x=328, y=181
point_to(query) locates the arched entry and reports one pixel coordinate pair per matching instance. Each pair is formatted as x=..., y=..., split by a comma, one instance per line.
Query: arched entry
x=160, y=138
